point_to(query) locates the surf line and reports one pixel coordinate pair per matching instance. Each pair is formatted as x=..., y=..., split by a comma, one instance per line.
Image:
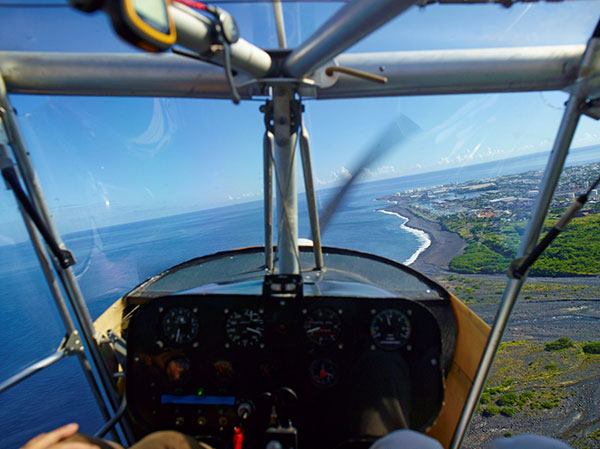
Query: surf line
x=422, y=236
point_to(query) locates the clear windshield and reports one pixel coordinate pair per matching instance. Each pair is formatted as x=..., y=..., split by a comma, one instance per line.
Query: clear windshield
x=138, y=185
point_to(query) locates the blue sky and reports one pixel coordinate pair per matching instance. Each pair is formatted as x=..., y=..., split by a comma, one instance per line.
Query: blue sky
x=112, y=160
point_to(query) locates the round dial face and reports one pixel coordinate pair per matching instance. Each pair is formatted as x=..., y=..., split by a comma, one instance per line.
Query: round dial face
x=390, y=329
x=180, y=325
x=323, y=372
x=245, y=328
x=323, y=327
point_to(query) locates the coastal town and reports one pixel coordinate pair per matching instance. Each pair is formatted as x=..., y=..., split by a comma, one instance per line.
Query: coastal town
x=545, y=380
x=507, y=198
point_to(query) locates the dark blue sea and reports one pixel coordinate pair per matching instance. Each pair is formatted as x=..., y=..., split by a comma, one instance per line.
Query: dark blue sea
x=113, y=260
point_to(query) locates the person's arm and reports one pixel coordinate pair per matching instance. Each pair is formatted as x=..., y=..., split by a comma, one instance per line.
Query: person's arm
x=54, y=440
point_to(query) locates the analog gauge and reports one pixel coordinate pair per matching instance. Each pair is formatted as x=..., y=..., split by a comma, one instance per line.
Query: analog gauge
x=180, y=325
x=323, y=327
x=178, y=369
x=323, y=372
x=390, y=329
x=245, y=328
x=223, y=371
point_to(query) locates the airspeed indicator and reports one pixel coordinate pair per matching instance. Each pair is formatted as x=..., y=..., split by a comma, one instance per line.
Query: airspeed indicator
x=390, y=329
x=245, y=328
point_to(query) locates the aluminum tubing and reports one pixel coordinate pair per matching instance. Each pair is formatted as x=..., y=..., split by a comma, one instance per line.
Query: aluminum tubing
x=347, y=26
x=436, y=72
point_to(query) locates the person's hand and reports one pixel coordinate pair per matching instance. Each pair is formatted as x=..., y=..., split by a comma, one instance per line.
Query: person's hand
x=54, y=440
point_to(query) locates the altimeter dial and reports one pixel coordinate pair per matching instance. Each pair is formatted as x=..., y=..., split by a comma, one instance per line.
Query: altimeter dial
x=323, y=327
x=390, y=329
x=180, y=325
x=245, y=328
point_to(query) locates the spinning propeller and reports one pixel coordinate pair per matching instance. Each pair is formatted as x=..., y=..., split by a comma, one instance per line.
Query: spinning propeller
x=396, y=133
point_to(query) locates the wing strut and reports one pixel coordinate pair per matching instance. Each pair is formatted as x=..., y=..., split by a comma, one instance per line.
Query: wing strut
x=268, y=144
x=309, y=186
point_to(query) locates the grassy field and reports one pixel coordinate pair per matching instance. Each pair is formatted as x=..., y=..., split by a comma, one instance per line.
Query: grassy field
x=539, y=388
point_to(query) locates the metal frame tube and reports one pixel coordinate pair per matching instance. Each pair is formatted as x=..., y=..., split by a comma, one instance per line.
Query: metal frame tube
x=513, y=287
x=279, y=23
x=311, y=201
x=268, y=145
x=112, y=421
x=195, y=31
x=285, y=172
x=129, y=75
x=66, y=276
x=438, y=72
x=408, y=73
x=61, y=305
x=31, y=370
x=347, y=26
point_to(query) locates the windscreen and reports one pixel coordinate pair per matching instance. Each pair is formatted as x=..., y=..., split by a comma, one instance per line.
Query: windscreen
x=139, y=185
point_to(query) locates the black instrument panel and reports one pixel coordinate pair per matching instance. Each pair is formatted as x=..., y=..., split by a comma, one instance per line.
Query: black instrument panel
x=205, y=364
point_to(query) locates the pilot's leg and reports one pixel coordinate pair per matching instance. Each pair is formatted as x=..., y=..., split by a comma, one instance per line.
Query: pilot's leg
x=377, y=396
x=406, y=439
x=157, y=440
x=168, y=439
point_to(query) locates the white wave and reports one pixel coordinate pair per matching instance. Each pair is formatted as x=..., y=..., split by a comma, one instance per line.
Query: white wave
x=422, y=237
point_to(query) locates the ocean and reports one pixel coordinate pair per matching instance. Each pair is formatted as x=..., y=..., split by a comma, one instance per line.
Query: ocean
x=113, y=260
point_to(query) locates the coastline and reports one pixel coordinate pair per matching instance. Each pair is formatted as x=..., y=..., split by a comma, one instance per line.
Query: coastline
x=443, y=245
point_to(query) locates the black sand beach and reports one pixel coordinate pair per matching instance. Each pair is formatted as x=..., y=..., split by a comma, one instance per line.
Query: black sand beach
x=444, y=244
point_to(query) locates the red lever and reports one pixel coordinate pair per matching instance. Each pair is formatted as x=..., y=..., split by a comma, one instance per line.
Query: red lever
x=193, y=4
x=238, y=437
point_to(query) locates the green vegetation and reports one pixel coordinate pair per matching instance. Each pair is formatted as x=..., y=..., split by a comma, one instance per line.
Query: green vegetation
x=526, y=396
x=560, y=344
x=593, y=347
x=478, y=258
x=492, y=244
x=508, y=411
x=485, y=397
x=532, y=378
x=595, y=435
x=510, y=398
x=491, y=410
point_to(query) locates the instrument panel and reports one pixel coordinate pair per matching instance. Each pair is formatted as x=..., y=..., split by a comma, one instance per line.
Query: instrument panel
x=336, y=368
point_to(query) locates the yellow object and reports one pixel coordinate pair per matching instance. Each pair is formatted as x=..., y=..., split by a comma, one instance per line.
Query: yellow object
x=471, y=338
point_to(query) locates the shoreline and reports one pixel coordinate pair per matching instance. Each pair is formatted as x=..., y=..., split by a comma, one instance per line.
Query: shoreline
x=443, y=245
x=422, y=237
